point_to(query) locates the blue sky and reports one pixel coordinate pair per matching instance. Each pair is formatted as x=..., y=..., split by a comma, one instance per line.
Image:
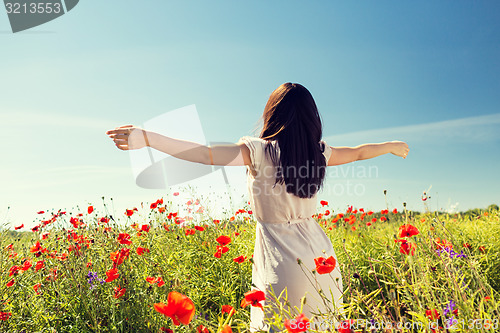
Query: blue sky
x=426, y=72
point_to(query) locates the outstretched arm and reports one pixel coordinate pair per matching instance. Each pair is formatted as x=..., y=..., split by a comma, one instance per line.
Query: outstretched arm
x=130, y=137
x=342, y=155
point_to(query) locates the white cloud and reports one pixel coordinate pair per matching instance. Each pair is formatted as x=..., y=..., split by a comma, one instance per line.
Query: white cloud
x=470, y=129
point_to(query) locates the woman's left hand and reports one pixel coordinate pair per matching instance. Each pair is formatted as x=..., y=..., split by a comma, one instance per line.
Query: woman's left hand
x=128, y=137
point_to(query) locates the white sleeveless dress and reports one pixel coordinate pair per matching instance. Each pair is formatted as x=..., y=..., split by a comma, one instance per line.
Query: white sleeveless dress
x=286, y=231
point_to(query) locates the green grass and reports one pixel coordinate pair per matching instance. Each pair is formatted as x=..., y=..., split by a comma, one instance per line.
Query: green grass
x=380, y=283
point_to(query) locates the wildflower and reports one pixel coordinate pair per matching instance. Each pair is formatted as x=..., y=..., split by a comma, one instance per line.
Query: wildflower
x=253, y=298
x=112, y=274
x=36, y=287
x=407, y=230
x=140, y=250
x=119, y=292
x=176, y=194
x=452, y=253
x=124, y=239
x=228, y=309
x=406, y=247
x=345, y=326
x=395, y=211
x=14, y=270
x=239, y=259
x=325, y=266
x=26, y=265
x=226, y=329
x=298, y=324
x=323, y=203
x=90, y=209
x=179, y=308
x=11, y=283
x=432, y=314
x=5, y=315
x=36, y=248
x=92, y=276
x=39, y=265
x=151, y=279
x=199, y=228
x=130, y=212
x=450, y=308
x=19, y=227
x=202, y=329
x=159, y=281
x=145, y=227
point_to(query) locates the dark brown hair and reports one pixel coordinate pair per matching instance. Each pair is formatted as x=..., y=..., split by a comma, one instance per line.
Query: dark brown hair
x=291, y=118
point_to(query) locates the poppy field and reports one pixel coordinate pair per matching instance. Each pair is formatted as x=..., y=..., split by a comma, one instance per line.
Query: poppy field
x=153, y=269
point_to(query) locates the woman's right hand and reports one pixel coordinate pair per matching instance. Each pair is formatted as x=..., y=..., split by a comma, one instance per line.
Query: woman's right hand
x=399, y=148
x=128, y=137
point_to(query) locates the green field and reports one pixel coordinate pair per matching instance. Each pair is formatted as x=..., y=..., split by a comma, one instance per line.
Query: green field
x=53, y=279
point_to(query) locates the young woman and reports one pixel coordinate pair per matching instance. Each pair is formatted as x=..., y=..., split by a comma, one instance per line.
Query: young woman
x=285, y=170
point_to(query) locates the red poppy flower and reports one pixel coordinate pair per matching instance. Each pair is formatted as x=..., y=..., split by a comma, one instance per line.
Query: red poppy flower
x=325, y=266
x=130, y=212
x=432, y=314
x=19, y=227
x=14, y=270
x=298, y=324
x=228, y=309
x=36, y=248
x=39, y=265
x=5, y=315
x=239, y=259
x=179, y=308
x=190, y=231
x=384, y=211
x=199, y=228
x=112, y=274
x=406, y=247
x=383, y=218
x=253, y=298
x=223, y=240
x=90, y=209
x=145, y=227
x=11, y=283
x=119, y=256
x=159, y=281
x=395, y=211
x=176, y=194
x=345, y=326
x=151, y=279
x=26, y=265
x=36, y=287
x=407, y=230
x=323, y=203
x=202, y=329
x=124, y=239
x=119, y=292
x=226, y=329
x=140, y=250
x=153, y=205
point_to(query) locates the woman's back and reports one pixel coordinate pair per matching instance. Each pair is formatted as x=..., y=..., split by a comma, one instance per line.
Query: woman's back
x=269, y=201
x=285, y=232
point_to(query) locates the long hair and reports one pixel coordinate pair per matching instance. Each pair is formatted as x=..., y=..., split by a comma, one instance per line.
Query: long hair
x=291, y=118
